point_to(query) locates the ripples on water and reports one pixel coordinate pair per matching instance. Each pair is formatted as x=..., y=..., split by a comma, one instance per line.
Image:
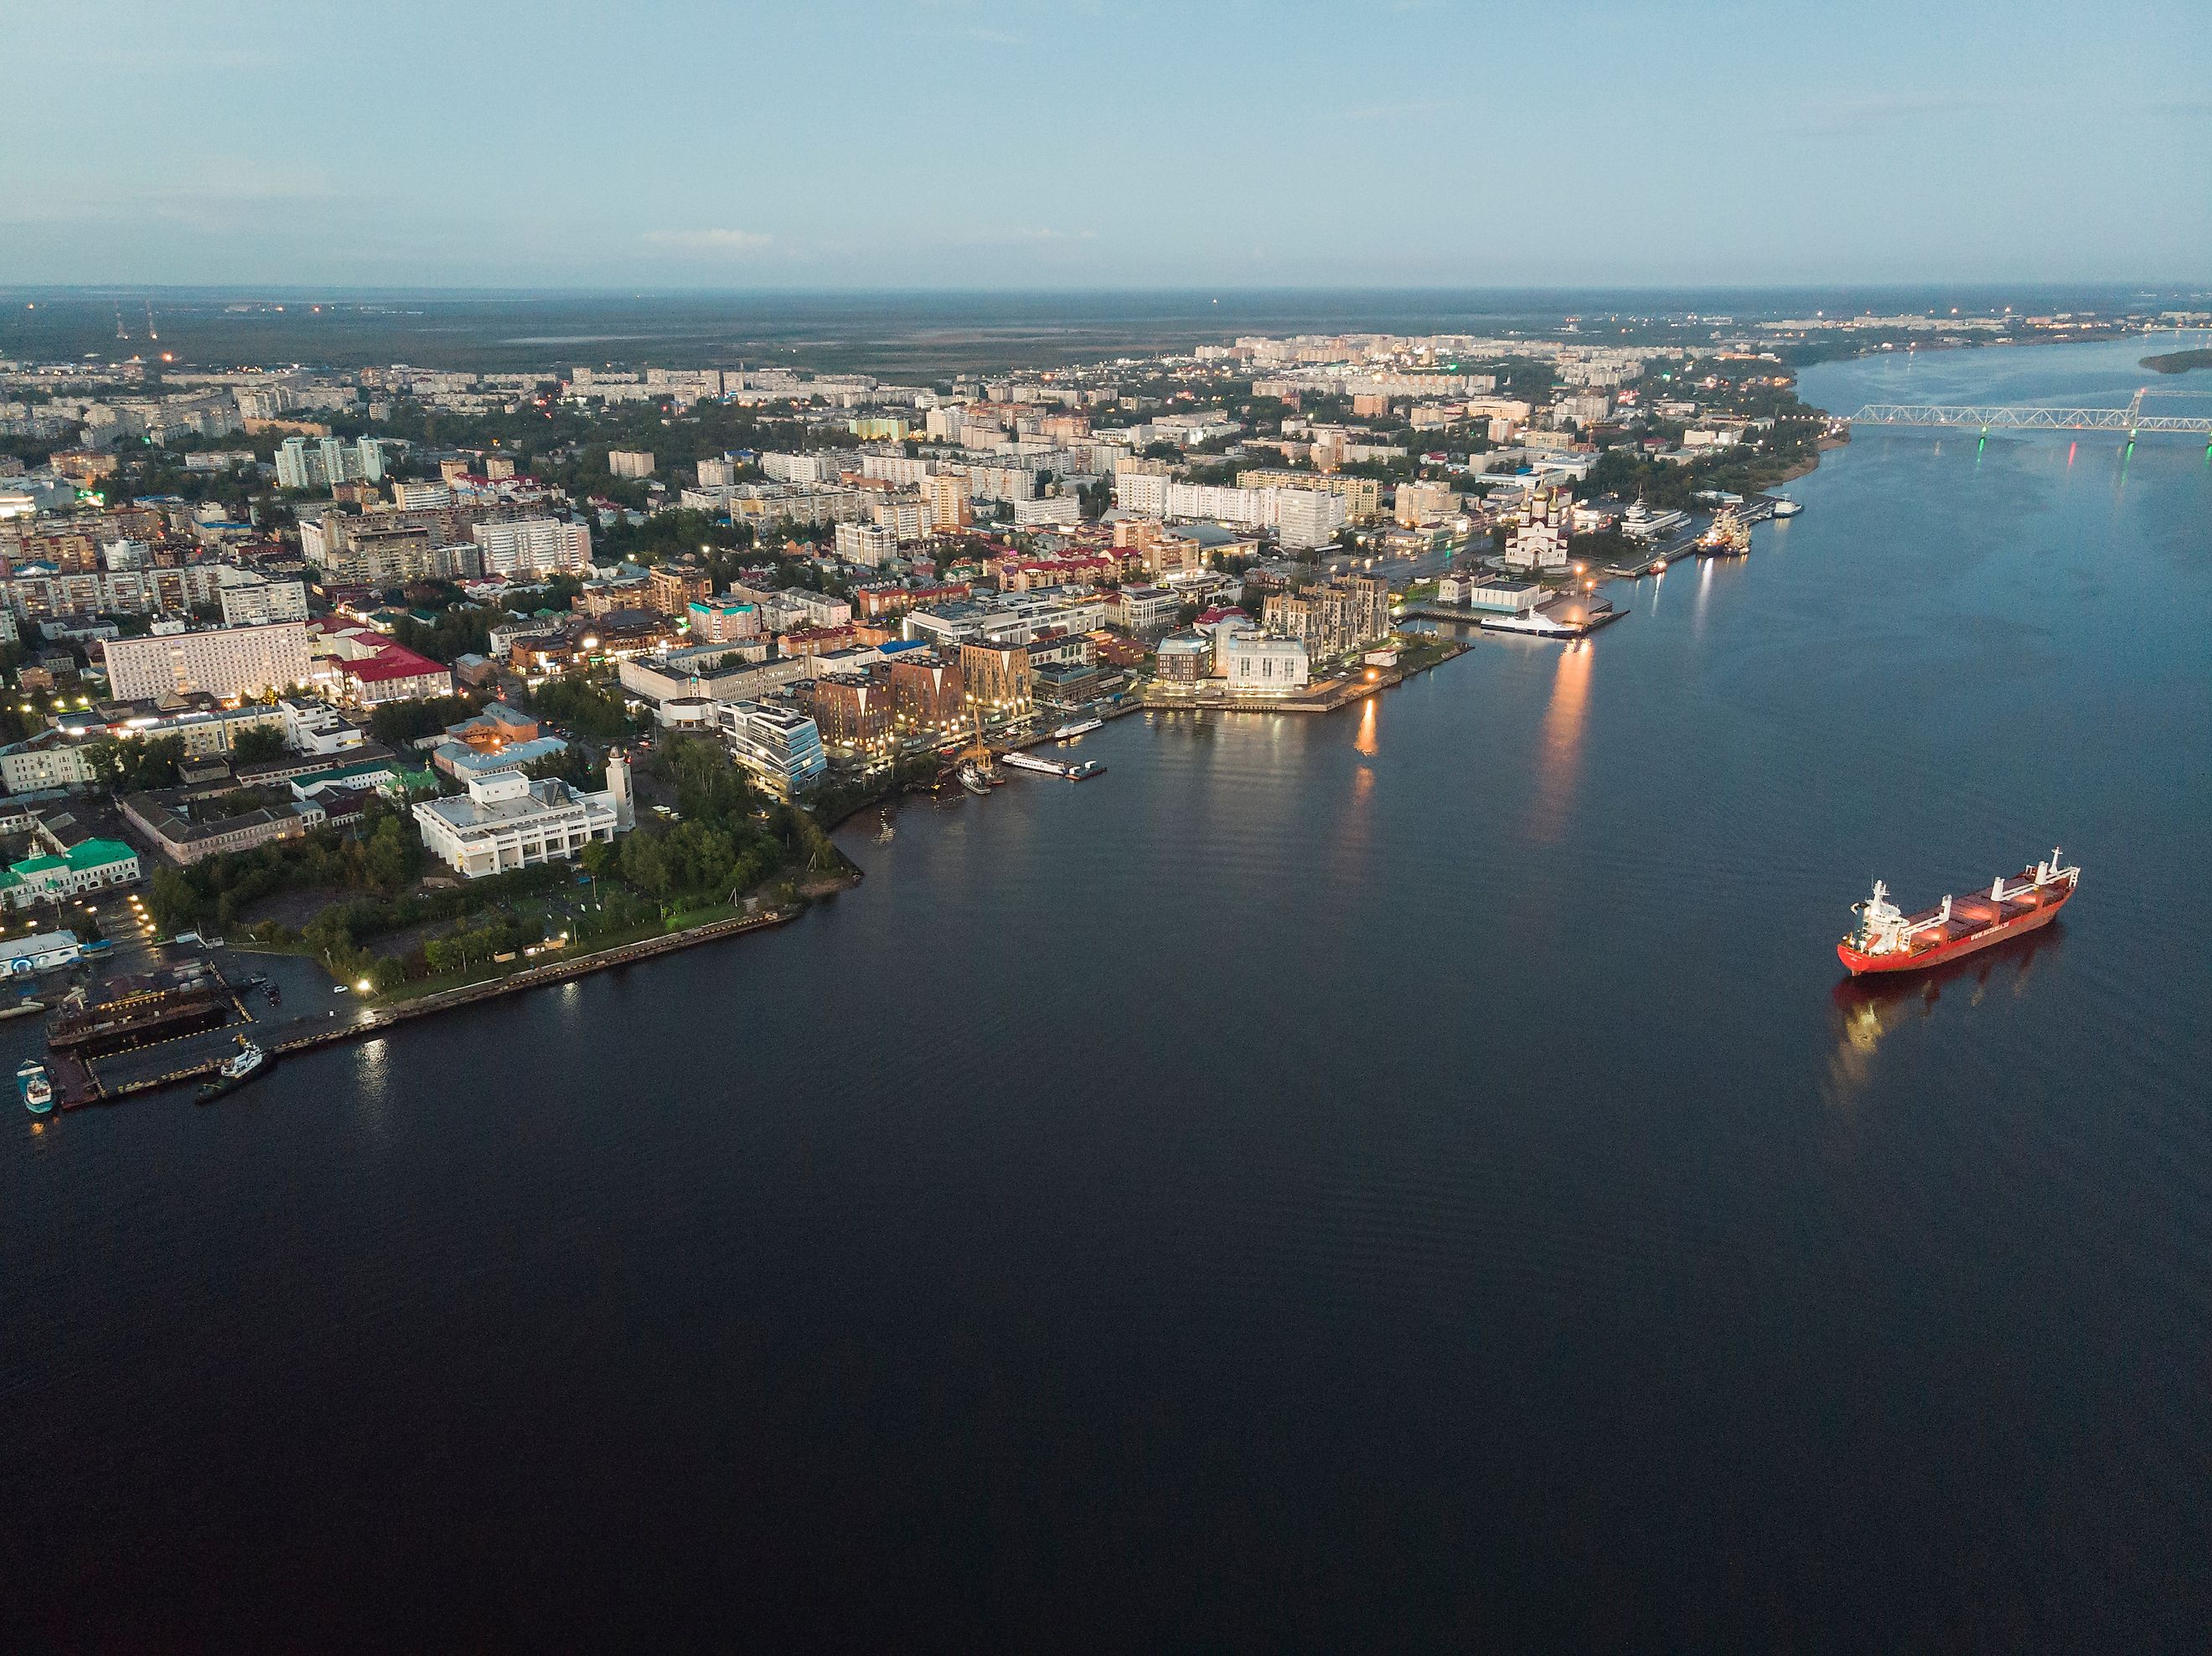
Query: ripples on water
x=1411, y=1169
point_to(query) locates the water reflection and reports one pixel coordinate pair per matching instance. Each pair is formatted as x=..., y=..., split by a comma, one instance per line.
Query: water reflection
x=1558, y=743
x=1870, y=1009
x=1363, y=743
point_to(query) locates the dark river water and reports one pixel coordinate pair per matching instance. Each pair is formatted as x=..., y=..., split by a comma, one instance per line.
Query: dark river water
x=1403, y=1178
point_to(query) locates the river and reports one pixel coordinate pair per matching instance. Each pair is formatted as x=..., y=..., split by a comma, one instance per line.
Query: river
x=1403, y=1177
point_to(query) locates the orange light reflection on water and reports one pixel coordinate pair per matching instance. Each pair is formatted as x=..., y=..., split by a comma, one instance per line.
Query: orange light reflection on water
x=1558, y=744
x=1364, y=742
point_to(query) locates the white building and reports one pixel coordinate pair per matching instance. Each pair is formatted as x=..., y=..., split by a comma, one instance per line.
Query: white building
x=250, y=598
x=629, y=462
x=1308, y=517
x=534, y=546
x=422, y=496
x=507, y=820
x=228, y=662
x=866, y=543
x=1258, y=663
x=1053, y=509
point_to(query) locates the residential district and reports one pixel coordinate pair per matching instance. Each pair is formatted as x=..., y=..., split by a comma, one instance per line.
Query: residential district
x=371, y=665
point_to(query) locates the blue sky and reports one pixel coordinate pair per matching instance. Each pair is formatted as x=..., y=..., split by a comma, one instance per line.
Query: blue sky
x=1009, y=143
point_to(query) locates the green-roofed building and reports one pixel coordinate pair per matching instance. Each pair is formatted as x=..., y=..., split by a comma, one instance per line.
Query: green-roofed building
x=89, y=865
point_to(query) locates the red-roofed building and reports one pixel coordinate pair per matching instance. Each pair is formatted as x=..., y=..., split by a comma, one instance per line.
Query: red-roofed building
x=362, y=665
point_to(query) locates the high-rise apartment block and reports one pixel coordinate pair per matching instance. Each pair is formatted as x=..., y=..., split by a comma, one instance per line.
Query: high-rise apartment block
x=228, y=662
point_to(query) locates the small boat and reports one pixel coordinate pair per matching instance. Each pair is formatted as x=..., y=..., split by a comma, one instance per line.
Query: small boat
x=1786, y=508
x=972, y=780
x=1080, y=727
x=22, y=1007
x=1085, y=771
x=236, y=1073
x=884, y=831
x=36, y=1091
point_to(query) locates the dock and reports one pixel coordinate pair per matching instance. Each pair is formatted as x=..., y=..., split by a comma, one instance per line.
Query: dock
x=77, y=1082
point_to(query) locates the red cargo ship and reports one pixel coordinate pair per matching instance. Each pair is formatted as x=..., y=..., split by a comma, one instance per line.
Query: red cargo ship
x=1887, y=939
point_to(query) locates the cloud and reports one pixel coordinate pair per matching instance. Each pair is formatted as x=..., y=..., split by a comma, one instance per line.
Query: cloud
x=729, y=243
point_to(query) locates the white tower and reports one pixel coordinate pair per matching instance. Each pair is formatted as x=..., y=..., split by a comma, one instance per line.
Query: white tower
x=618, y=785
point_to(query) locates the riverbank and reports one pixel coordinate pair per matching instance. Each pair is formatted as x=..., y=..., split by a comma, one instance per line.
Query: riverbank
x=80, y=1085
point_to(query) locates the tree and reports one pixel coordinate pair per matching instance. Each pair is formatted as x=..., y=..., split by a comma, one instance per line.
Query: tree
x=258, y=746
x=584, y=708
x=400, y=724
x=134, y=764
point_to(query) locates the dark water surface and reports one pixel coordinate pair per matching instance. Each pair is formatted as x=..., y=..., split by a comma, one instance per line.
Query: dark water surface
x=1395, y=1177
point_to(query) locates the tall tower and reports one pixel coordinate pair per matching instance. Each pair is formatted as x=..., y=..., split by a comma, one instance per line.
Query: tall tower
x=618, y=785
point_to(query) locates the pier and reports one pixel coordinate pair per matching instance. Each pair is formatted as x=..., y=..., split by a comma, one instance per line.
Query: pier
x=77, y=1082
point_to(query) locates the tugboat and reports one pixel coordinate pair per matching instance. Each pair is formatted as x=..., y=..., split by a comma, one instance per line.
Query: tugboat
x=236, y=1073
x=973, y=780
x=1887, y=939
x=38, y=1092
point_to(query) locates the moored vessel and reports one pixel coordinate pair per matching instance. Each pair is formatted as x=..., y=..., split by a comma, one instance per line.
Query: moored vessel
x=235, y=1071
x=1029, y=762
x=973, y=780
x=1079, y=727
x=1729, y=537
x=33, y=1086
x=1887, y=939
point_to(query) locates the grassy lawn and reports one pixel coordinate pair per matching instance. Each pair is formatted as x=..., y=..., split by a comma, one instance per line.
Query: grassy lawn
x=592, y=943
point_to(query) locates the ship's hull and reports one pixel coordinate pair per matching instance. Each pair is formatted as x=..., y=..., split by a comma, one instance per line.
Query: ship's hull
x=221, y=1086
x=2051, y=901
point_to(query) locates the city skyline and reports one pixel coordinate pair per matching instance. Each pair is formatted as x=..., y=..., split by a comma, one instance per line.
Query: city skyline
x=1010, y=146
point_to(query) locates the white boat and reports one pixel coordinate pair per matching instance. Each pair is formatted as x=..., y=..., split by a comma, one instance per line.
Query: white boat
x=1080, y=727
x=1085, y=771
x=37, y=1090
x=972, y=780
x=235, y=1071
x=1786, y=508
x=1029, y=762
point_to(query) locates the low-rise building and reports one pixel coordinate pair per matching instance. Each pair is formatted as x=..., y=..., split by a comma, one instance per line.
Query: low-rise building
x=48, y=760
x=507, y=820
x=89, y=865
x=167, y=819
x=1256, y=663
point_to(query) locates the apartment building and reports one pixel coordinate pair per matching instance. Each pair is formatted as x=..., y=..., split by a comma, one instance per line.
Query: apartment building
x=250, y=598
x=228, y=662
x=996, y=678
x=533, y=546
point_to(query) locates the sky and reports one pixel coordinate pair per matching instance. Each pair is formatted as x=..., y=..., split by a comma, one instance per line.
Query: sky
x=1092, y=144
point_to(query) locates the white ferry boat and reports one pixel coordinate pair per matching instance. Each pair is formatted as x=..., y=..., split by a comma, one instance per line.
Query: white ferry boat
x=1080, y=727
